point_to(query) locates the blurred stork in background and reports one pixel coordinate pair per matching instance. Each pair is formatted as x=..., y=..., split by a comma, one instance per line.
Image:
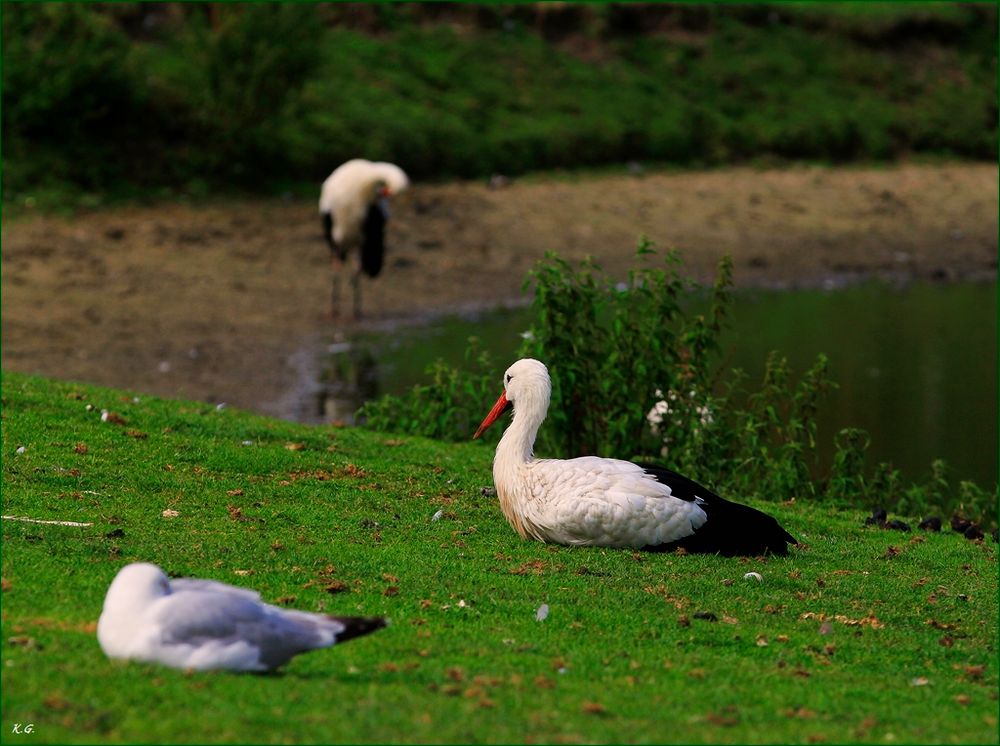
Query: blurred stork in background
x=354, y=206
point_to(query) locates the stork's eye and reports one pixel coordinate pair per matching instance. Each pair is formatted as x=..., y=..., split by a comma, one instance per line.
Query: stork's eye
x=509, y=376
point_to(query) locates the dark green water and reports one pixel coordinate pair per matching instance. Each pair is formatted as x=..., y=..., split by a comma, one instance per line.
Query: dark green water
x=917, y=367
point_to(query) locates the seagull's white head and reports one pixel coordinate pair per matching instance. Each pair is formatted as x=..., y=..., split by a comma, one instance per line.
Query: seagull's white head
x=526, y=387
x=135, y=586
x=133, y=589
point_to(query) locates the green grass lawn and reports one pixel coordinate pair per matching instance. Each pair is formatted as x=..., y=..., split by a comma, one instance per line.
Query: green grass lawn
x=861, y=635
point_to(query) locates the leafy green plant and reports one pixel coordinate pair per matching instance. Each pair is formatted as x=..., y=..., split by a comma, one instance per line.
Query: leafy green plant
x=759, y=442
x=611, y=346
x=850, y=484
x=449, y=407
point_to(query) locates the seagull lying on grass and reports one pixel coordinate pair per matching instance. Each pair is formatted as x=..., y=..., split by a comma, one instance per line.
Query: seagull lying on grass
x=202, y=624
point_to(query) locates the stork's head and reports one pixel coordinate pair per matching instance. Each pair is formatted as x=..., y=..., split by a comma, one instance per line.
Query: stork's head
x=391, y=179
x=526, y=387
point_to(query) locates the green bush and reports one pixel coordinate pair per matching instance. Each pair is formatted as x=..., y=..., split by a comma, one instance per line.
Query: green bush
x=68, y=92
x=257, y=96
x=617, y=345
x=238, y=84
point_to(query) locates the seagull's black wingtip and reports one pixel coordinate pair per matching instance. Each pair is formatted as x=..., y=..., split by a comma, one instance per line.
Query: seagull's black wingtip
x=359, y=626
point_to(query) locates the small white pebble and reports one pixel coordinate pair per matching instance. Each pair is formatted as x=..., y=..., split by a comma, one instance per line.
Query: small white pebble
x=20, y=449
x=437, y=516
x=461, y=603
x=168, y=513
x=542, y=613
x=220, y=406
x=753, y=576
x=164, y=366
x=248, y=442
x=135, y=400
x=89, y=408
x=920, y=681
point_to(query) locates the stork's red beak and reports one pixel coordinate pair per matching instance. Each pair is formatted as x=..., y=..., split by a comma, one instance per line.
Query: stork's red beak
x=384, y=192
x=499, y=408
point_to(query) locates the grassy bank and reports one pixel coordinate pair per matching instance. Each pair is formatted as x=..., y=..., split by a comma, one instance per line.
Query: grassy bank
x=192, y=98
x=862, y=635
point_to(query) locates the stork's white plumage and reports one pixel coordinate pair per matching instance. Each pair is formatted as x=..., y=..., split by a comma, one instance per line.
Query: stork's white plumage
x=353, y=205
x=594, y=501
x=204, y=624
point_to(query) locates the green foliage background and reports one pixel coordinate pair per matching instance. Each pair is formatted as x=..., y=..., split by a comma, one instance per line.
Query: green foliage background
x=114, y=98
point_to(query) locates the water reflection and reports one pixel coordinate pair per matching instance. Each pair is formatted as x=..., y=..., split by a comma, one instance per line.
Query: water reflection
x=349, y=376
x=916, y=367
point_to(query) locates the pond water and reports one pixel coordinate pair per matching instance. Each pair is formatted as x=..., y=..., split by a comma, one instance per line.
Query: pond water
x=916, y=365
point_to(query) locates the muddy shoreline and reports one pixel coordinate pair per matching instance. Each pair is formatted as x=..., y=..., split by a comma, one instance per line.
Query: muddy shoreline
x=219, y=302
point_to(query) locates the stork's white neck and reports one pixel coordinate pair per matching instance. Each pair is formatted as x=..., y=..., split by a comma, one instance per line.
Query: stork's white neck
x=518, y=441
x=513, y=456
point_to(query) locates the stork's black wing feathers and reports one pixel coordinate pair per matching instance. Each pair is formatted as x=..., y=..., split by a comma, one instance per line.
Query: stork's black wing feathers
x=732, y=529
x=680, y=486
x=373, y=247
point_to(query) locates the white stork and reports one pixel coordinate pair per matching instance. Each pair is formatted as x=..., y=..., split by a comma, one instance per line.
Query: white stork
x=202, y=624
x=594, y=501
x=354, y=207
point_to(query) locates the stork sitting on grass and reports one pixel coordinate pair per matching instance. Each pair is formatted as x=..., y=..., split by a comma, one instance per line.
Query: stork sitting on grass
x=354, y=207
x=606, y=502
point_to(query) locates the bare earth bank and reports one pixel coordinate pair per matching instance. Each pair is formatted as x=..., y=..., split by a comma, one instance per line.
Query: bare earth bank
x=224, y=302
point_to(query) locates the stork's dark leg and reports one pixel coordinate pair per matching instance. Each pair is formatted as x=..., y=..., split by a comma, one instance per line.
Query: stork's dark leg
x=337, y=265
x=356, y=287
x=336, y=280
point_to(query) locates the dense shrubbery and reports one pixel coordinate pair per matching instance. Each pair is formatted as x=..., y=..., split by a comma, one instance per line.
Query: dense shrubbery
x=265, y=96
x=635, y=375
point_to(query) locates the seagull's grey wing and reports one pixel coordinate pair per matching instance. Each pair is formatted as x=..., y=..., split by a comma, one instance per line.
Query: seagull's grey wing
x=197, y=584
x=199, y=617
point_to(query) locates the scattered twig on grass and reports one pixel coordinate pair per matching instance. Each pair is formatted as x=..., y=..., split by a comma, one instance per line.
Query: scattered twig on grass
x=54, y=523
